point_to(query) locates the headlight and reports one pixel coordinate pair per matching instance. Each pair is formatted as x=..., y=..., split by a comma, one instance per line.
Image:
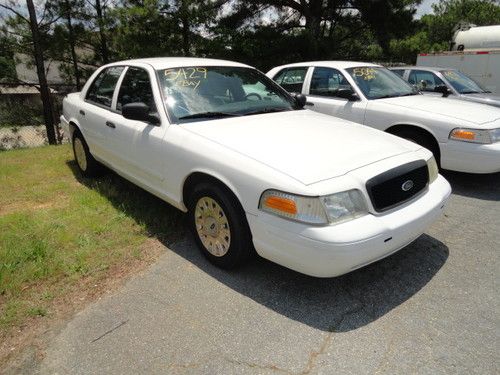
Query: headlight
x=433, y=169
x=495, y=135
x=475, y=135
x=344, y=206
x=333, y=209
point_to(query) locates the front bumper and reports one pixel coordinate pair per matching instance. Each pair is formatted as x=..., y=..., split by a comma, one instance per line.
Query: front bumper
x=329, y=251
x=470, y=157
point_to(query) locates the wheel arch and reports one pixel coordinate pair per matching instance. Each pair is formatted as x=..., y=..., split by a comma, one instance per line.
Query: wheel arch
x=73, y=126
x=400, y=128
x=200, y=176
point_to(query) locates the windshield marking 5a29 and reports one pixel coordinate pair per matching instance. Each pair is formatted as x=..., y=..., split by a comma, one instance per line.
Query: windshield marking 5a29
x=205, y=93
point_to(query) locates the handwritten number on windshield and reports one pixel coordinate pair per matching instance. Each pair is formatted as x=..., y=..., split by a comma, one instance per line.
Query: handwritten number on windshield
x=186, y=77
x=366, y=74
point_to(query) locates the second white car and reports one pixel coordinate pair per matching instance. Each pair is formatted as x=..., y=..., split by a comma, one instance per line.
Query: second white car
x=463, y=136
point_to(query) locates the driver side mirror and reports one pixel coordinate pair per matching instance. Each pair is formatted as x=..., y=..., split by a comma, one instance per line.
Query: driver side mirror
x=443, y=90
x=347, y=94
x=140, y=112
x=300, y=99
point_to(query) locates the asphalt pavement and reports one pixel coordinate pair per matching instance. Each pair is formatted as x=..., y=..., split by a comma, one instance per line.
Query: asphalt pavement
x=433, y=307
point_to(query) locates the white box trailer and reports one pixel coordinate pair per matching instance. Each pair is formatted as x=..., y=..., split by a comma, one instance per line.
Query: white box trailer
x=481, y=65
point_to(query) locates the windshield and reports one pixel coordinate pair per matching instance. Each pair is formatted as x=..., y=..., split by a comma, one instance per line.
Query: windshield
x=462, y=83
x=377, y=82
x=204, y=93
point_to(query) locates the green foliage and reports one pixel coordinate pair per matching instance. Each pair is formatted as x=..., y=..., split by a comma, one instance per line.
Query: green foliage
x=7, y=64
x=263, y=33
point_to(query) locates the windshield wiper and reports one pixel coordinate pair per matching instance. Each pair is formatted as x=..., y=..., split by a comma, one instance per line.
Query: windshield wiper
x=266, y=110
x=209, y=115
x=472, y=92
x=396, y=96
x=386, y=96
x=409, y=94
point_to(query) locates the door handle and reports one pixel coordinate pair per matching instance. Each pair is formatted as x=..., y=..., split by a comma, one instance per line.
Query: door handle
x=309, y=104
x=82, y=112
x=110, y=124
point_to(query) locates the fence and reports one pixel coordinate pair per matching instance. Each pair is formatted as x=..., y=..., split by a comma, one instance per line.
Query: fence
x=21, y=115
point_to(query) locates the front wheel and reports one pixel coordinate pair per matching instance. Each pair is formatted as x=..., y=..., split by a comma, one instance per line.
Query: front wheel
x=219, y=226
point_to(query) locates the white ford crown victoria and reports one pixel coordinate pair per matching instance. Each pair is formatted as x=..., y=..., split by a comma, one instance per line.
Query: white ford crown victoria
x=254, y=170
x=463, y=136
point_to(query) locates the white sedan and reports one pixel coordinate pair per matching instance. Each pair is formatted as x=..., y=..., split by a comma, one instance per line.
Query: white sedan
x=253, y=169
x=463, y=136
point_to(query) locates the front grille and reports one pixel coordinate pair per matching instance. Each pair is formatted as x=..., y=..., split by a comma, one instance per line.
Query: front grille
x=398, y=185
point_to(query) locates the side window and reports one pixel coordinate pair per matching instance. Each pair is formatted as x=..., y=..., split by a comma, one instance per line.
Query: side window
x=291, y=79
x=135, y=88
x=101, y=90
x=399, y=72
x=425, y=81
x=327, y=82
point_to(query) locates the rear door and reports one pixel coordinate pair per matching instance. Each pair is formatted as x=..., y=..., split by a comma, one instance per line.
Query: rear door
x=322, y=90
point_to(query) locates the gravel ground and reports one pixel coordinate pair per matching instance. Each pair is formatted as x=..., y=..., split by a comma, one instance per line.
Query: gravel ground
x=433, y=308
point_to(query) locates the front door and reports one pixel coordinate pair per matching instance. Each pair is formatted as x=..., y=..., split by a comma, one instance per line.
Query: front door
x=322, y=91
x=137, y=146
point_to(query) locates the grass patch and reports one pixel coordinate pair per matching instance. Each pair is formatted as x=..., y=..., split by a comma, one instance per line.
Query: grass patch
x=57, y=228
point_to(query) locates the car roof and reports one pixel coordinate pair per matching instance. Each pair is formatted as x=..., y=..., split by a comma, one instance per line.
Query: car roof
x=428, y=68
x=330, y=64
x=174, y=62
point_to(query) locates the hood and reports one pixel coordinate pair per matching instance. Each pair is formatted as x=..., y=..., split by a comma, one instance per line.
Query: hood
x=461, y=110
x=305, y=145
x=485, y=98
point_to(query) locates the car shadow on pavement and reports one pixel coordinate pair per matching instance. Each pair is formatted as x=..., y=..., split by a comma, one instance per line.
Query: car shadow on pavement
x=481, y=186
x=333, y=304
x=336, y=304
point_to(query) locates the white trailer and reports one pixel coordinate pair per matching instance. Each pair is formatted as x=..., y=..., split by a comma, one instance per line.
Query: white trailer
x=481, y=65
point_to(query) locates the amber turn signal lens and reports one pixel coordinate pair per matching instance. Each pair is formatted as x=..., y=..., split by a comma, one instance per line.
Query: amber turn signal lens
x=281, y=204
x=463, y=134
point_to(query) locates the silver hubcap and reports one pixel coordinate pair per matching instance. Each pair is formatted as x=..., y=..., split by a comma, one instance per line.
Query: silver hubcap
x=212, y=226
x=80, y=156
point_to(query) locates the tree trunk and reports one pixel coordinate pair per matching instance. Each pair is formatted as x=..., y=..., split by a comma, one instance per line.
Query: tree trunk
x=102, y=34
x=313, y=32
x=42, y=79
x=185, y=35
x=72, y=43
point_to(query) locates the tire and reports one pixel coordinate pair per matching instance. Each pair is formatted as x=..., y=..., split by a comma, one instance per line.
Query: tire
x=421, y=139
x=87, y=165
x=219, y=226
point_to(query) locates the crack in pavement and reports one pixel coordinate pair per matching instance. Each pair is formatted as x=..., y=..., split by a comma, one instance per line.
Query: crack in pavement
x=312, y=356
x=326, y=341
x=109, y=331
x=255, y=365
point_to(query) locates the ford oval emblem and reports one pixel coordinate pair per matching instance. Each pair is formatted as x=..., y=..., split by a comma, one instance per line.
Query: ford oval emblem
x=407, y=185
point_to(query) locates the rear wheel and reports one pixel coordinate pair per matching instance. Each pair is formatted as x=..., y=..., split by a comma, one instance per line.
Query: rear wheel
x=219, y=226
x=88, y=166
